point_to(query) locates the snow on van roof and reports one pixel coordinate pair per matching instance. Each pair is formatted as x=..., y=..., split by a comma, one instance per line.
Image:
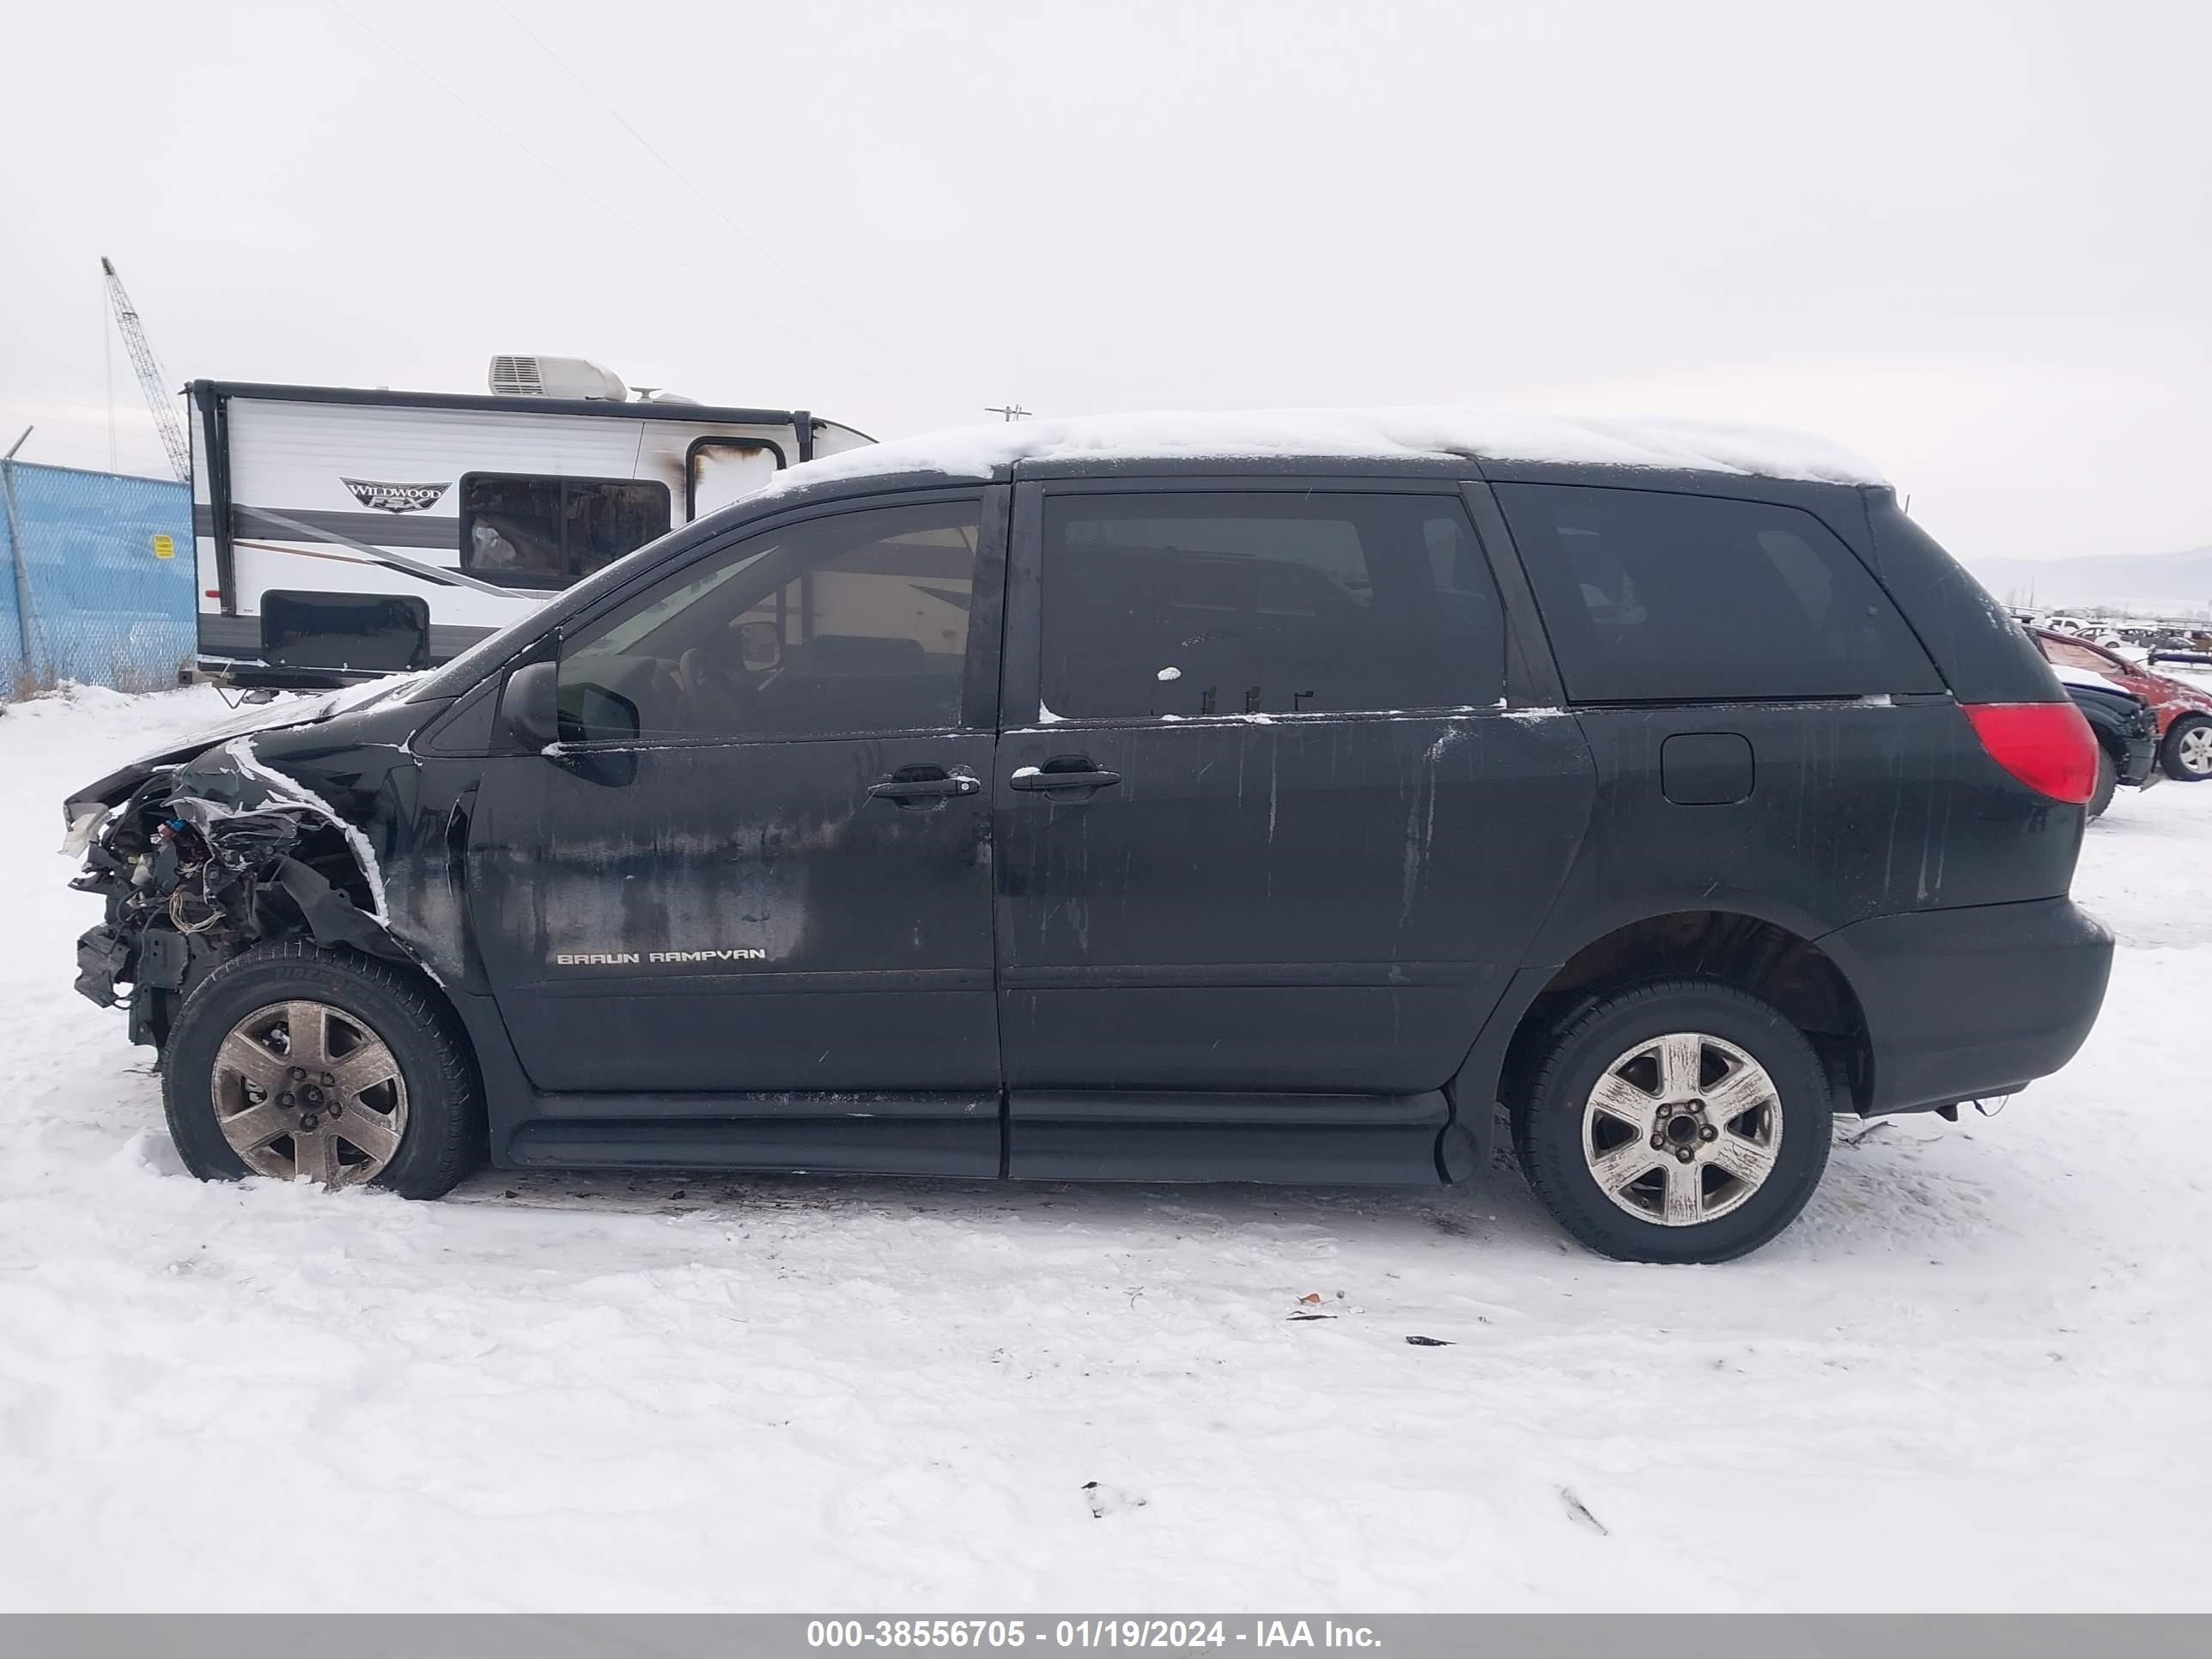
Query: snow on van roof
x=973, y=451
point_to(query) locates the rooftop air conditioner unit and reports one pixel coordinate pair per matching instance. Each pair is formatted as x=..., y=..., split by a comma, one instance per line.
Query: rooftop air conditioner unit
x=555, y=377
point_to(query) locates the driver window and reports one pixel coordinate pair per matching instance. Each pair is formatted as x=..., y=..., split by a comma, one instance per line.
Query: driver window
x=833, y=626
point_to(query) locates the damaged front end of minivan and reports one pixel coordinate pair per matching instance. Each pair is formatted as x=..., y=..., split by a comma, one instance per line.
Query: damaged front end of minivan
x=201, y=858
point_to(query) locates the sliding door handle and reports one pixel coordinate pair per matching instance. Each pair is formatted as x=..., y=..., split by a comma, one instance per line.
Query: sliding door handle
x=1065, y=772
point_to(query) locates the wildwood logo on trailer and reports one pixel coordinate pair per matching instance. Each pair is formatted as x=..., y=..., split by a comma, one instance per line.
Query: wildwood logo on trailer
x=395, y=498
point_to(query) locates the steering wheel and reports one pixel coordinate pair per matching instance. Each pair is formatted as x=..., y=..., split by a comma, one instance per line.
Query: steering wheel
x=715, y=695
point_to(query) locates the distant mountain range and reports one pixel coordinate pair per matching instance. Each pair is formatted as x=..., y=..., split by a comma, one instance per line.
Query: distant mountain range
x=2180, y=581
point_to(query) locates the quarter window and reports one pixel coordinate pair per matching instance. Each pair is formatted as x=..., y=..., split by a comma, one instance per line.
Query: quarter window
x=522, y=532
x=1649, y=596
x=1249, y=601
x=833, y=626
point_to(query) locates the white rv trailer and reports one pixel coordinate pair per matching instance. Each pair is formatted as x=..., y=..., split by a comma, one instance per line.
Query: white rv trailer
x=342, y=532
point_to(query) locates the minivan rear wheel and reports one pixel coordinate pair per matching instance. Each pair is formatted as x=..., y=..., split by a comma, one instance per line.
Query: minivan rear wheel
x=1677, y=1120
x=306, y=1064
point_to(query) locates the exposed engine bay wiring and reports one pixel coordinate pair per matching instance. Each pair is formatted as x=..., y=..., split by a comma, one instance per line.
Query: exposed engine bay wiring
x=180, y=901
x=205, y=861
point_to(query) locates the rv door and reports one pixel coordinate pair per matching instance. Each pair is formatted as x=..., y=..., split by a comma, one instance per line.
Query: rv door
x=720, y=471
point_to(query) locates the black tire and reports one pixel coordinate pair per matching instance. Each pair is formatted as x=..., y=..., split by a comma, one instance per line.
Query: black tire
x=444, y=1133
x=2108, y=779
x=2169, y=752
x=1548, y=1112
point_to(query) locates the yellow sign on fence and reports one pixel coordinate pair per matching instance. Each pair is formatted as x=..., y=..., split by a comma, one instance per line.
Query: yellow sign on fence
x=165, y=547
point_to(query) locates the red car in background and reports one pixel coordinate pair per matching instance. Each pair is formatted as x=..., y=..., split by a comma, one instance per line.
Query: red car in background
x=2184, y=711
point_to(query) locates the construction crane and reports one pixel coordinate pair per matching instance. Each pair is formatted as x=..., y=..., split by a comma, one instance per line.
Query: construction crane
x=151, y=381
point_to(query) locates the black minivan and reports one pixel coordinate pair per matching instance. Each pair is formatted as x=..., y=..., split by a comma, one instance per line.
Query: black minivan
x=1077, y=802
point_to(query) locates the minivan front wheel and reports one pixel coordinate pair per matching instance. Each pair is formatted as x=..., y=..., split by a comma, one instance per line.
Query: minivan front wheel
x=1678, y=1120
x=306, y=1064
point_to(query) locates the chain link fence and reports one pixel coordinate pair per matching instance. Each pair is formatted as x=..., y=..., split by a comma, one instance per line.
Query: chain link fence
x=99, y=579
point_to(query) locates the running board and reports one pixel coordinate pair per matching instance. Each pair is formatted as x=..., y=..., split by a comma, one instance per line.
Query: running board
x=940, y=1134
x=1323, y=1140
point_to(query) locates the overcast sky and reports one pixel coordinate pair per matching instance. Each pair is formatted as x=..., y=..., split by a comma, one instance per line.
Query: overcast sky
x=1973, y=241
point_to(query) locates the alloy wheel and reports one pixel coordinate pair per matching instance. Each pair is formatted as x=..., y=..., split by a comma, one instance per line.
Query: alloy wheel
x=2192, y=751
x=305, y=1091
x=1682, y=1128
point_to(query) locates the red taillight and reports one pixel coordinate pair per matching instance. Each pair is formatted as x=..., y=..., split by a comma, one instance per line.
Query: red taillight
x=2048, y=746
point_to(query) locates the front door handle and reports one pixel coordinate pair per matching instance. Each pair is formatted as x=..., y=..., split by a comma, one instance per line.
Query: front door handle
x=930, y=785
x=1068, y=772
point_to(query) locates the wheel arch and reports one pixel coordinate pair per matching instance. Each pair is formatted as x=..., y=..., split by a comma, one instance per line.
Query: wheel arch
x=1778, y=963
x=475, y=1015
x=334, y=897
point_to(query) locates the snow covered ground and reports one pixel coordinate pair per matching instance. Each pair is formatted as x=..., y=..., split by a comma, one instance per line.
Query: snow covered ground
x=1974, y=1376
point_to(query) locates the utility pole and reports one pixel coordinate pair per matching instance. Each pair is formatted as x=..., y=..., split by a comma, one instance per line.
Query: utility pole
x=1009, y=411
x=16, y=551
x=151, y=381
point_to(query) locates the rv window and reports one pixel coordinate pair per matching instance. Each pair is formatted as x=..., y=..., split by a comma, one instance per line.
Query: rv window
x=547, y=532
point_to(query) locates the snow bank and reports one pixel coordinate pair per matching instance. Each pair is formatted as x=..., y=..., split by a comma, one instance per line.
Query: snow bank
x=975, y=452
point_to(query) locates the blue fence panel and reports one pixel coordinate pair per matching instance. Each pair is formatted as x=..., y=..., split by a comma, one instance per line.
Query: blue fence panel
x=106, y=565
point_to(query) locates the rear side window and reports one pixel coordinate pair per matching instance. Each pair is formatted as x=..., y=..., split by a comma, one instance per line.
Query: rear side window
x=1651, y=597
x=524, y=532
x=1236, y=602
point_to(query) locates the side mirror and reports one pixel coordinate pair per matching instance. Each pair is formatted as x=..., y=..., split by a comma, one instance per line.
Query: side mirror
x=531, y=707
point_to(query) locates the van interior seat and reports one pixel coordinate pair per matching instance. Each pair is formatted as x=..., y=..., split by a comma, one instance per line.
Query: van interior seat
x=837, y=655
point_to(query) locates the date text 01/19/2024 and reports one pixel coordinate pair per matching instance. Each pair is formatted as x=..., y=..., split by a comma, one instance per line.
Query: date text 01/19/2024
x=1087, y=1633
